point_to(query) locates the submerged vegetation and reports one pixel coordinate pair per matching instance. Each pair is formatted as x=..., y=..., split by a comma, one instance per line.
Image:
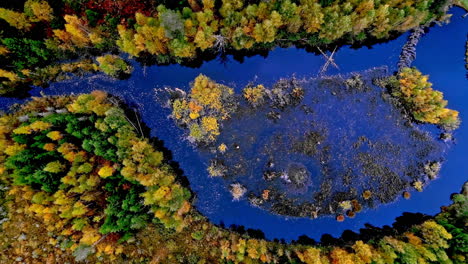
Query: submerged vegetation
x=39, y=33
x=69, y=198
x=274, y=146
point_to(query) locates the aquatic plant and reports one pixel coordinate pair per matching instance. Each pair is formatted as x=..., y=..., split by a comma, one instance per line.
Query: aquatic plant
x=222, y=148
x=345, y=205
x=367, y=195
x=254, y=94
x=237, y=191
x=350, y=214
x=431, y=169
x=216, y=169
x=418, y=185
x=294, y=143
x=340, y=218
x=406, y=195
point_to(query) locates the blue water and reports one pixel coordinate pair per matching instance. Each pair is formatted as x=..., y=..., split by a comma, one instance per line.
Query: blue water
x=336, y=169
x=440, y=54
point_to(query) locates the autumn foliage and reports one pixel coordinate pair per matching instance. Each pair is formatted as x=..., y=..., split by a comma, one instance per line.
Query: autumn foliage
x=426, y=104
x=80, y=168
x=80, y=182
x=179, y=31
x=204, y=108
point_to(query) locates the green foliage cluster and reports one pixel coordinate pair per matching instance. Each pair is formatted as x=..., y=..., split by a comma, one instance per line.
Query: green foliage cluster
x=29, y=53
x=202, y=110
x=113, y=65
x=180, y=30
x=461, y=3
x=454, y=218
x=426, y=105
x=79, y=167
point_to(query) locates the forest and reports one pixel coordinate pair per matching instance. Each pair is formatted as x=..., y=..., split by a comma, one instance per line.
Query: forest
x=44, y=41
x=91, y=167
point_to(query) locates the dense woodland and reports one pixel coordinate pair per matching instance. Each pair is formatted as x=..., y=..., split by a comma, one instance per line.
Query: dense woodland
x=423, y=102
x=43, y=41
x=81, y=181
x=78, y=169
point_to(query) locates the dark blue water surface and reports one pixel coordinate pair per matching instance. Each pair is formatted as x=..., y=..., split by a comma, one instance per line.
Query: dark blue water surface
x=440, y=54
x=338, y=141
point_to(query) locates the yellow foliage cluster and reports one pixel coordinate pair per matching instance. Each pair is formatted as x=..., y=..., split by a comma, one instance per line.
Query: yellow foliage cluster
x=11, y=76
x=427, y=105
x=106, y=171
x=77, y=34
x=34, y=11
x=84, y=65
x=54, y=135
x=210, y=125
x=204, y=108
x=38, y=10
x=33, y=127
x=90, y=103
x=3, y=50
x=15, y=19
x=207, y=92
x=254, y=95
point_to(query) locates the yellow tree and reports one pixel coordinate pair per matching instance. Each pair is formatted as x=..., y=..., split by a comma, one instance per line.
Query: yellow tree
x=312, y=15
x=363, y=252
x=337, y=22
x=77, y=34
x=381, y=24
x=126, y=41
x=15, y=19
x=150, y=35
x=341, y=256
x=362, y=16
x=38, y=10
x=312, y=256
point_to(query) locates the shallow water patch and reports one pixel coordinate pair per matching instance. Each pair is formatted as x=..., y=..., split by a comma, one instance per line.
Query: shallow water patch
x=321, y=146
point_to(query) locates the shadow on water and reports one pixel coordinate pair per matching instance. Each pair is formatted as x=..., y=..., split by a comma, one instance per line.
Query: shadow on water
x=134, y=117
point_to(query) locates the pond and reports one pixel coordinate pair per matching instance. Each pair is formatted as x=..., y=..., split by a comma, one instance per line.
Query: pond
x=442, y=60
